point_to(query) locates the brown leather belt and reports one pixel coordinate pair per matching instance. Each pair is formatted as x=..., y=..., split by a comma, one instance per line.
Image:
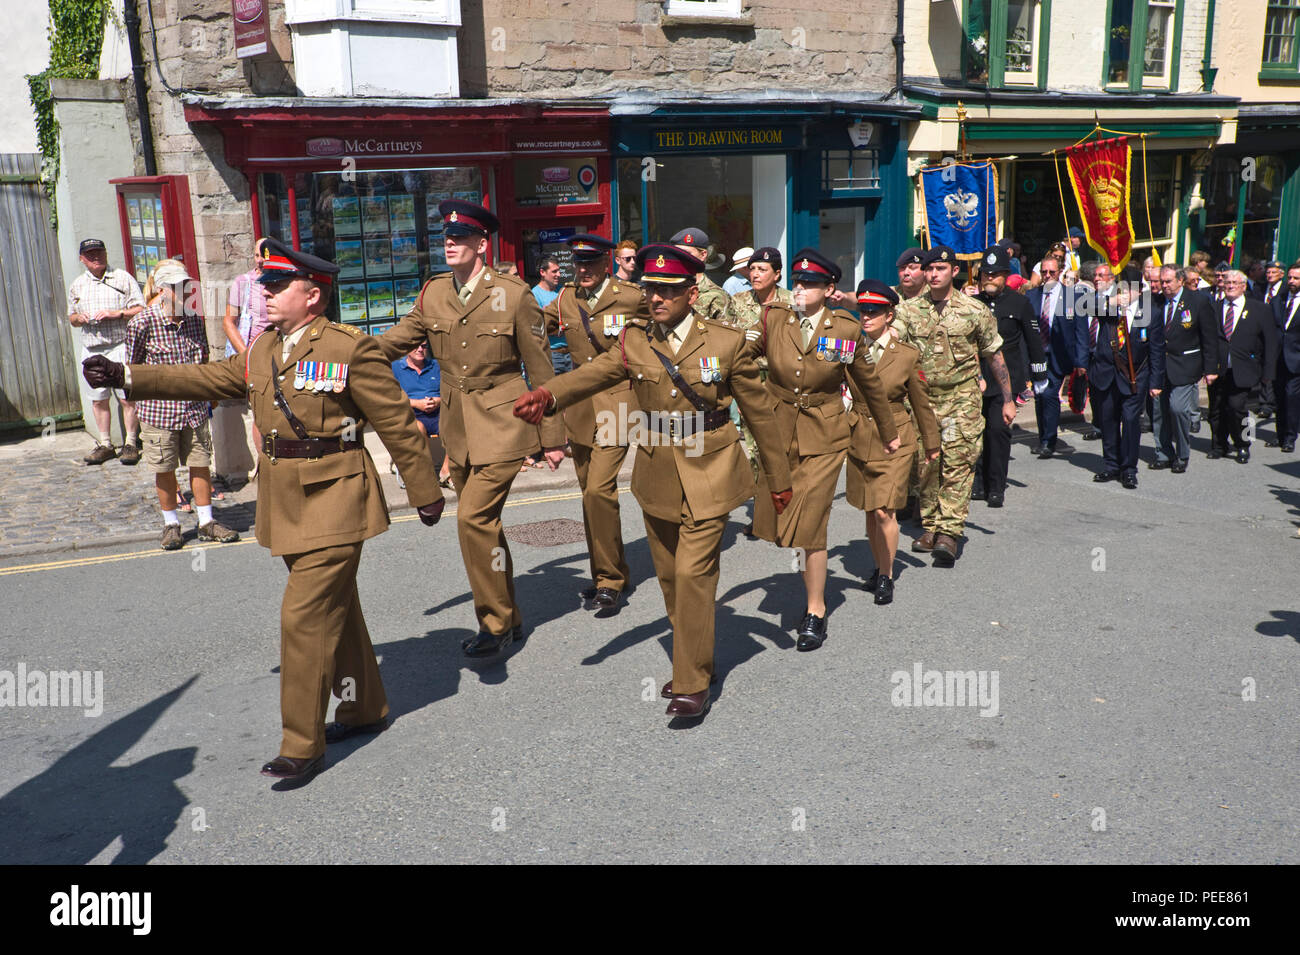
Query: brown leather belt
x=468, y=385
x=277, y=447
x=684, y=426
x=809, y=399
x=861, y=407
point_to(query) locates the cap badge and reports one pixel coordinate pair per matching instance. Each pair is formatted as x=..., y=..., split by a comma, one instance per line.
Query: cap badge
x=659, y=262
x=992, y=258
x=803, y=264
x=453, y=217
x=688, y=239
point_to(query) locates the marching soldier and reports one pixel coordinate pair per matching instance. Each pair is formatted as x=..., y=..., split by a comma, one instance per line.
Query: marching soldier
x=312, y=386
x=712, y=301
x=911, y=275
x=480, y=325
x=953, y=331
x=811, y=350
x=690, y=473
x=591, y=312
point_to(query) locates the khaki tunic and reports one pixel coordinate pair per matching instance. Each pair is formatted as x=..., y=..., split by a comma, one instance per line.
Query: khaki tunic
x=811, y=420
x=876, y=479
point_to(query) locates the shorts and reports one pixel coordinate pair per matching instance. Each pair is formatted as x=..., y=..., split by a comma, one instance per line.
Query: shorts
x=115, y=353
x=164, y=451
x=430, y=422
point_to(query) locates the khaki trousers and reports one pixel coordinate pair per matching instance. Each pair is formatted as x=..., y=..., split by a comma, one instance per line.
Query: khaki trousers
x=481, y=491
x=324, y=647
x=686, y=556
x=598, y=477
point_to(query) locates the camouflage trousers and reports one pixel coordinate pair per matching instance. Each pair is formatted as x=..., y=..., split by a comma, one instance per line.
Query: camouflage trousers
x=945, y=484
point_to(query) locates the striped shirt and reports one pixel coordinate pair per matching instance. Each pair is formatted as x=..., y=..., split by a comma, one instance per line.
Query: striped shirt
x=88, y=295
x=154, y=339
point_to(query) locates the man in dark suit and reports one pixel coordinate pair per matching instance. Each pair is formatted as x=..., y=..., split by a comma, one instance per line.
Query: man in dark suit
x=1287, y=383
x=1275, y=286
x=1052, y=303
x=1246, y=357
x=1125, y=351
x=1191, y=349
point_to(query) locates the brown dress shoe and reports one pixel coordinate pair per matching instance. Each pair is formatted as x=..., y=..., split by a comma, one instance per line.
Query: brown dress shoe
x=102, y=453
x=286, y=767
x=667, y=691
x=945, y=550
x=689, y=704
x=924, y=544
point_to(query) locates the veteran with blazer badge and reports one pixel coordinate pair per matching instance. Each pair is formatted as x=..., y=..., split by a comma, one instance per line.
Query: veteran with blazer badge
x=312, y=386
x=480, y=326
x=690, y=470
x=811, y=350
x=591, y=313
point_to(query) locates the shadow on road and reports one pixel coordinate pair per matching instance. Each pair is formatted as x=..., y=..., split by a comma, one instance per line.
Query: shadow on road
x=1287, y=624
x=75, y=809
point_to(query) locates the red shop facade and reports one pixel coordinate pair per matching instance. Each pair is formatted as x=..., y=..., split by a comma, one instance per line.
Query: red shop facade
x=360, y=186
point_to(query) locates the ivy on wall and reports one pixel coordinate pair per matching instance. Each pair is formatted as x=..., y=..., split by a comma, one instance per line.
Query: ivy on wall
x=76, y=39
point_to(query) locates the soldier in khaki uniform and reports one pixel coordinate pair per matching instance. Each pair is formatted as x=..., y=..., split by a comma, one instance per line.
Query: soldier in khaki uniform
x=591, y=313
x=313, y=385
x=711, y=300
x=811, y=350
x=953, y=331
x=480, y=326
x=690, y=472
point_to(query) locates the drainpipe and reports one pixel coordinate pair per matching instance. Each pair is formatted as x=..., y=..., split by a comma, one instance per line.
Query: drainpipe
x=898, y=49
x=1208, y=72
x=131, y=19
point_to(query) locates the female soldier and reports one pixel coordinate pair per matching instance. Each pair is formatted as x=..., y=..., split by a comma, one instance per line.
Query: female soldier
x=877, y=481
x=810, y=351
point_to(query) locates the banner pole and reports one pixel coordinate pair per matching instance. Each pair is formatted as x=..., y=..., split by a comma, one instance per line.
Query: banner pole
x=1146, y=201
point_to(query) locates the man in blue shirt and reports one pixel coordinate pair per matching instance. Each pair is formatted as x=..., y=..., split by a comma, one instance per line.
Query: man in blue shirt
x=418, y=376
x=545, y=291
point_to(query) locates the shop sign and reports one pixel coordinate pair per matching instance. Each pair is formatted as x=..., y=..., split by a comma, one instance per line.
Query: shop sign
x=250, y=26
x=713, y=139
x=556, y=181
x=337, y=146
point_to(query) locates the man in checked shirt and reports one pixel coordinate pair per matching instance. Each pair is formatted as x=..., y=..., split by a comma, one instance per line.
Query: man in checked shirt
x=174, y=431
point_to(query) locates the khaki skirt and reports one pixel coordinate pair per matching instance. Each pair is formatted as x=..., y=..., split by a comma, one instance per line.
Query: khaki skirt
x=803, y=523
x=870, y=485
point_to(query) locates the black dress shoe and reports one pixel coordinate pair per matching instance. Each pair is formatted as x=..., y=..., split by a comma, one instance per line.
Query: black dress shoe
x=1243, y=456
x=1287, y=447
x=1270, y=443
x=484, y=644
x=1196, y=426
x=1214, y=454
x=296, y=770
x=1093, y=435
x=885, y=591
x=1044, y=451
x=811, y=633
x=873, y=581
x=977, y=492
x=1104, y=476
x=994, y=498
x=1178, y=467
x=1158, y=465
x=605, y=598
x=1129, y=481
x=338, y=732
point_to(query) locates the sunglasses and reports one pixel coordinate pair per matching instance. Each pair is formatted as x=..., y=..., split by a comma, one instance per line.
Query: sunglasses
x=874, y=309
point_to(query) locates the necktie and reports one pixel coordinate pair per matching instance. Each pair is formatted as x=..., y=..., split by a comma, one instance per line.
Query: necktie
x=1169, y=315
x=807, y=326
x=1092, y=331
x=673, y=341
x=1290, y=311
x=1229, y=322
x=1045, y=321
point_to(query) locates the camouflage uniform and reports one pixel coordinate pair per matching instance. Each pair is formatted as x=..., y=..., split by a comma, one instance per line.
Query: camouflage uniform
x=712, y=301
x=951, y=347
x=744, y=311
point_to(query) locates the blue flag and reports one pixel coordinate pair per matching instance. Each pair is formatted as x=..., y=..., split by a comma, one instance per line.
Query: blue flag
x=961, y=206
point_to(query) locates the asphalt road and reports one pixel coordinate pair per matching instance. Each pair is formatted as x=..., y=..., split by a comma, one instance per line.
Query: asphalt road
x=1121, y=734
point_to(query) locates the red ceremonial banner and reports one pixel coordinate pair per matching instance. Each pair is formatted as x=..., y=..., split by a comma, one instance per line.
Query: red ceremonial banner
x=1099, y=174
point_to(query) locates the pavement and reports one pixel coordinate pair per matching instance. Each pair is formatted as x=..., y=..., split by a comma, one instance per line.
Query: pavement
x=50, y=501
x=1145, y=645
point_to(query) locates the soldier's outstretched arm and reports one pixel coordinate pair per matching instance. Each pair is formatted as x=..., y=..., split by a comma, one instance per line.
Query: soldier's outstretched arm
x=381, y=400
x=867, y=379
x=530, y=339
x=595, y=376
x=214, y=381
x=756, y=408
x=407, y=333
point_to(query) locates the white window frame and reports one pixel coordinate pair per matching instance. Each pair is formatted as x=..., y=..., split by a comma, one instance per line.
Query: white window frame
x=1162, y=81
x=1029, y=78
x=703, y=8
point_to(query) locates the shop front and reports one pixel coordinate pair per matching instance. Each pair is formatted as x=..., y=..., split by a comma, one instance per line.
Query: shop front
x=782, y=177
x=361, y=186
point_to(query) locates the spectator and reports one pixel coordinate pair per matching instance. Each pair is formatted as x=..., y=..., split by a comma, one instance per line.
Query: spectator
x=419, y=376
x=100, y=302
x=625, y=261
x=548, y=280
x=508, y=268
x=175, y=432
x=244, y=321
x=737, y=282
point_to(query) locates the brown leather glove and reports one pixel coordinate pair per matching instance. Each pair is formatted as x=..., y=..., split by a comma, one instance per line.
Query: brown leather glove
x=99, y=372
x=533, y=405
x=430, y=513
x=781, y=499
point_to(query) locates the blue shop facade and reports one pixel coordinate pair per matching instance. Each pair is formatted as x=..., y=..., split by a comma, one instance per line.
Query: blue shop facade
x=832, y=177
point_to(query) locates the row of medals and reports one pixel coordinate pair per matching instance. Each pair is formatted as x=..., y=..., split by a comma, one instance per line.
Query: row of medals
x=320, y=376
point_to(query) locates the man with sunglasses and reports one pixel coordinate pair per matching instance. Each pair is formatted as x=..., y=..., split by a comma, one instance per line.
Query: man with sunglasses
x=625, y=262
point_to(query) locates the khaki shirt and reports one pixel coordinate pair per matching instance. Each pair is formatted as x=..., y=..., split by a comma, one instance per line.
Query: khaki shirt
x=480, y=347
x=702, y=476
x=596, y=423
x=951, y=344
x=306, y=504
